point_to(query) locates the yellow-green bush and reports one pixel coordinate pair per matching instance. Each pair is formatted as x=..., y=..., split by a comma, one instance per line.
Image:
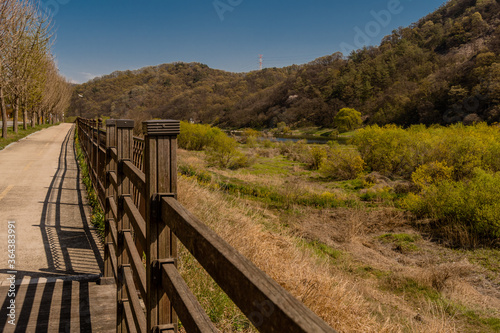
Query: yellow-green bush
x=432, y=173
x=474, y=203
x=341, y=163
x=198, y=136
x=223, y=153
x=394, y=151
x=317, y=156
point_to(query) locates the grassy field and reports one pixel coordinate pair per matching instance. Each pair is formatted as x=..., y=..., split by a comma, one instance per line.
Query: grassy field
x=13, y=137
x=347, y=249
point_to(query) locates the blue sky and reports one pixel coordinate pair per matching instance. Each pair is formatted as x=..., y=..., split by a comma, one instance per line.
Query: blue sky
x=97, y=37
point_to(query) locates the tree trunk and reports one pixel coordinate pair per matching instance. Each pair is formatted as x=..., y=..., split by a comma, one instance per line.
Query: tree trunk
x=25, y=115
x=15, y=113
x=4, y=113
x=25, y=118
x=33, y=119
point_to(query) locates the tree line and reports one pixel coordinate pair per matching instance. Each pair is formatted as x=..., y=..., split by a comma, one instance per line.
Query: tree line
x=30, y=83
x=443, y=69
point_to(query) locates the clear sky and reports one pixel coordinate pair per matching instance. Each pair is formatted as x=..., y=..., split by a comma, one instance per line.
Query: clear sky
x=97, y=37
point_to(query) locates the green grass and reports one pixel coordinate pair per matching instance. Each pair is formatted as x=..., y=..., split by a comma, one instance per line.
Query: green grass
x=278, y=198
x=321, y=250
x=401, y=242
x=97, y=217
x=489, y=259
x=219, y=307
x=353, y=185
x=477, y=320
x=278, y=165
x=13, y=137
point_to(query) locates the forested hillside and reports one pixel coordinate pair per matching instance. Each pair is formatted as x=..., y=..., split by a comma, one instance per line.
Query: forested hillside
x=443, y=69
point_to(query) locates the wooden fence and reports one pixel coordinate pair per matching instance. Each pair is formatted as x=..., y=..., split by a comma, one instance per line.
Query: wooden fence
x=136, y=182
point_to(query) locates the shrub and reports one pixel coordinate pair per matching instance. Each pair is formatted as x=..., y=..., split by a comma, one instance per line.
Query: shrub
x=250, y=136
x=318, y=154
x=223, y=153
x=389, y=150
x=394, y=151
x=474, y=203
x=268, y=143
x=431, y=173
x=342, y=164
x=197, y=136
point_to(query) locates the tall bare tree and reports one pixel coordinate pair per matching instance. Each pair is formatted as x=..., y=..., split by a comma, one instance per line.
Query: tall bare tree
x=29, y=78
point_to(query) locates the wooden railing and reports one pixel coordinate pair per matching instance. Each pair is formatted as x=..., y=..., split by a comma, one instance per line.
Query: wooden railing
x=137, y=184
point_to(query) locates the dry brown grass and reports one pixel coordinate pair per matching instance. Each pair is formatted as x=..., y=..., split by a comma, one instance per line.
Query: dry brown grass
x=337, y=297
x=333, y=297
x=342, y=292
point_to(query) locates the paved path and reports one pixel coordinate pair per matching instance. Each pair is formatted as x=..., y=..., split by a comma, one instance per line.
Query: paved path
x=58, y=256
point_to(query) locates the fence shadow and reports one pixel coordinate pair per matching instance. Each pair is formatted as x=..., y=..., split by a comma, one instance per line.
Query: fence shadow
x=71, y=245
x=48, y=306
x=58, y=297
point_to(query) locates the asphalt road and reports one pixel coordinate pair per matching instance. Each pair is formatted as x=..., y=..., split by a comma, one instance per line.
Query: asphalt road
x=42, y=197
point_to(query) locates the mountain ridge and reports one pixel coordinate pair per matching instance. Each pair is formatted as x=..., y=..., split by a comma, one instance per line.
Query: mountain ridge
x=444, y=68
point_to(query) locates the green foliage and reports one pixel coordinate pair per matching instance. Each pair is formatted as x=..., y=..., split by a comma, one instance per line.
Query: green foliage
x=394, y=151
x=221, y=150
x=401, y=242
x=341, y=163
x=197, y=136
x=223, y=153
x=474, y=203
x=97, y=218
x=431, y=173
x=322, y=250
x=284, y=197
x=318, y=154
x=347, y=119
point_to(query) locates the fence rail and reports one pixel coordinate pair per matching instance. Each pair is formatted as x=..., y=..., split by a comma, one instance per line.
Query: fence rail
x=136, y=182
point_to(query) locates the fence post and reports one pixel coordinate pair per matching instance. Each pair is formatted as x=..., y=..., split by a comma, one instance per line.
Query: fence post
x=110, y=168
x=124, y=141
x=160, y=168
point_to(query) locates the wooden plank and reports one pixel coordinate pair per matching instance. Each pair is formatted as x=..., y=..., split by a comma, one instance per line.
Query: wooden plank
x=187, y=307
x=136, y=220
x=113, y=153
x=137, y=311
x=124, y=151
x=113, y=180
x=136, y=262
x=113, y=259
x=270, y=307
x=136, y=176
x=110, y=169
x=129, y=318
x=114, y=232
x=112, y=207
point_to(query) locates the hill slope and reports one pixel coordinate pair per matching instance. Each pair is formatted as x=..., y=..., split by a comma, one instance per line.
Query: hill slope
x=443, y=69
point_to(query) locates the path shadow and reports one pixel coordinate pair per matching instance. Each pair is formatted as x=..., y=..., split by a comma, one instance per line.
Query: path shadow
x=71, y=245
x=56, y=306
x=57, y=297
